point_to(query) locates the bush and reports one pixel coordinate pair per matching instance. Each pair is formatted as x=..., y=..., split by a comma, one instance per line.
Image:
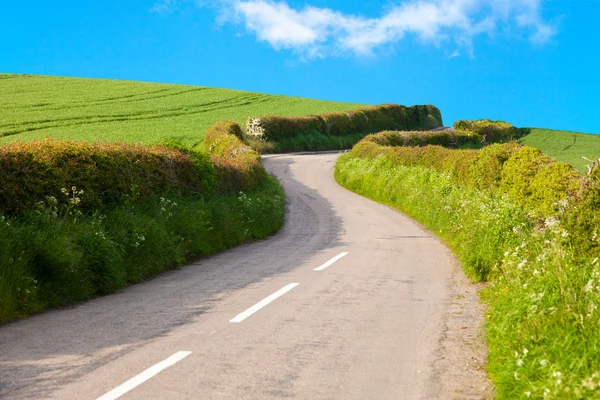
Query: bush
x=491, y=131
x=486, y=169
x=224, y=140
x=338, y=124
x=452, y=138
x=520, y=170
x=533, y=180
x=554, y=185
x=367, y=120
x=237, y=166
x=275, y=127
x=107, y=172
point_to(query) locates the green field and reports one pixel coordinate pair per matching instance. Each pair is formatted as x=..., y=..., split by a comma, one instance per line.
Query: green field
x=36, y=107
x=565, y=146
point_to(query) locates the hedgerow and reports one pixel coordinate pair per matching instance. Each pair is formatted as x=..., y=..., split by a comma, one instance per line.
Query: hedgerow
x=79, y=220
x=107, y=172
x=363, y=121
x=532, y=179
x=452, y=138
x=527, y=225
x=491, y=131
x=237, y=165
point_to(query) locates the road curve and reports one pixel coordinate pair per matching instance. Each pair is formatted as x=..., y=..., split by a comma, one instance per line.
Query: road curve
x=368, y=326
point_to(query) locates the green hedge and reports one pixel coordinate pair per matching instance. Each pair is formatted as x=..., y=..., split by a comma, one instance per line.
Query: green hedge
x=367, y=120
x=452, y=138
x=491, y=131
x=238, y=166
x=79, y=220
x=106, y=172
x=532, y=179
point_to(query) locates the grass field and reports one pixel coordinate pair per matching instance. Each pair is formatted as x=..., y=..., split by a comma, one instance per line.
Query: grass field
x=565, y=146
x=36, y=107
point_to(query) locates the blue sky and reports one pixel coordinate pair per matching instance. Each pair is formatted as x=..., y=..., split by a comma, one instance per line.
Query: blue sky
x=530, y=62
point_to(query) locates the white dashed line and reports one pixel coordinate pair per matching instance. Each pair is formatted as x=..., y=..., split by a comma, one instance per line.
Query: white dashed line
x=330, y=262
x=262, y=303
x=144, y=376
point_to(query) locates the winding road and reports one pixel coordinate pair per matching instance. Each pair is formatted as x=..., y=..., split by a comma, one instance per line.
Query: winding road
x=348, y=301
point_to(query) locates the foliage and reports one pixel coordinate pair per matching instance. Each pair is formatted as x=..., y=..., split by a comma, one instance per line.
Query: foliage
x=237, y=165
x=490, y=131
x=452, y=138
x=107, y=172
x=306, y=142
x=532, y=179
x=366, y=120
x=53, y=256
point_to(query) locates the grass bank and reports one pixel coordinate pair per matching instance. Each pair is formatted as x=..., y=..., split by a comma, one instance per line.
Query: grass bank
x=543, y=323
x=55, y=255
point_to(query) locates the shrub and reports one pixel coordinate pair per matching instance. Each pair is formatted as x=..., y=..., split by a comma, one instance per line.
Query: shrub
x=238, y=174
x=223, y=140
x=453, y=138
x=520, y=170
x=338, y=124
x=491, y=131
x=275, y=127
x=366, y=120
x=237, y=166
x=486, y=169
x=533, y=180
x=107, y=172
x=555, y=183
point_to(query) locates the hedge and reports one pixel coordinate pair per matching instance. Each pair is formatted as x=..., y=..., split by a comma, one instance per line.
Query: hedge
x=366, y=120
x=108, y=173
x=533, y=180
x=451, y=138
x=491, y=131
x=238, y=167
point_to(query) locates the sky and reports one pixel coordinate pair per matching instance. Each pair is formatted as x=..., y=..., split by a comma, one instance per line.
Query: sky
x=534, y=63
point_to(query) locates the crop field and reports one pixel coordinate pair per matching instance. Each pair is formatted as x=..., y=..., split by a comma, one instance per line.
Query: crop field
x=565, y=146
x=36, y=107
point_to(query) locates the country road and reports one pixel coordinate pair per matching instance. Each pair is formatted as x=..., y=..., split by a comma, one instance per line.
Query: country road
x=350, y=300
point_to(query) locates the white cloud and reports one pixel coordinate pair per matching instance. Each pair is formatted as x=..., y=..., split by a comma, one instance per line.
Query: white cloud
x=319, y=32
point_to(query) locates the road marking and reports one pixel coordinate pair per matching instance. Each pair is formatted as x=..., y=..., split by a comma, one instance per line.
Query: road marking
x=144, y=376
x=330, y=262
x=262, y=303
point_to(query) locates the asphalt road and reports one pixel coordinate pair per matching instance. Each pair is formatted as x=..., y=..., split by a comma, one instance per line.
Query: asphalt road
x=258, y=321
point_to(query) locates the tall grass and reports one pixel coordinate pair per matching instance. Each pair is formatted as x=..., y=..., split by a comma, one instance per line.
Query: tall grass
x=543, y=323
x=56, y=255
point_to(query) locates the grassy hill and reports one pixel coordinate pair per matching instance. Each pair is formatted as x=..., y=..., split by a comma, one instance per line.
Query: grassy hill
x=565, y=146
x=35, y=107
